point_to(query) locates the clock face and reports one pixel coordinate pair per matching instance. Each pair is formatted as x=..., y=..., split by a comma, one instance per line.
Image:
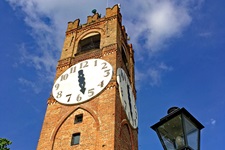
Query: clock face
x=82, y=81
x=127, y=97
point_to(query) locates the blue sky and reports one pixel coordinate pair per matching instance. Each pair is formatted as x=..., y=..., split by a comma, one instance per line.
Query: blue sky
x=179, y=55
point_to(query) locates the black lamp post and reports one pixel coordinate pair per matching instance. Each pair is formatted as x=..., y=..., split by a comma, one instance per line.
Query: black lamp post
x=179, y=130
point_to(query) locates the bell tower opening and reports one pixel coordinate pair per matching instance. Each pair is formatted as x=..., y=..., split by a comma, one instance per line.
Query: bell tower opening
x=89, y=43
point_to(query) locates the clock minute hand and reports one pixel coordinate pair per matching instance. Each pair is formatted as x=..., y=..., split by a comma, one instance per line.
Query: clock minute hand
x=81, y=80
x=129, y=99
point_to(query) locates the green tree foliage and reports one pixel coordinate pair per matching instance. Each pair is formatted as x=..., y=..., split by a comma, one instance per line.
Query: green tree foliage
x=4, y=144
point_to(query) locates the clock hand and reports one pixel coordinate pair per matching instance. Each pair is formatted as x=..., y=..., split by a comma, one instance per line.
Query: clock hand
x=81, y=80
x=128, y=94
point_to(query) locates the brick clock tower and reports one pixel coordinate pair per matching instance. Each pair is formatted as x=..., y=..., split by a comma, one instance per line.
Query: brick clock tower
x=93, y=100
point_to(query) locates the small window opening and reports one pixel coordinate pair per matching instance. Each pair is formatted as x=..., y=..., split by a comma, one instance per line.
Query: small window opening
x=89, y=43
x=78, y=118
x=75, y=139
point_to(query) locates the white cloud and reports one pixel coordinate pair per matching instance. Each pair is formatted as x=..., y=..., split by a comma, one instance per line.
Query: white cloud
x=156, y=22
x=165, y=21
x=28, y=83
x=156, y=71
x=212, y=121
x=164, y=67
x=205, y=34
x=153, y=74
x=151, y=24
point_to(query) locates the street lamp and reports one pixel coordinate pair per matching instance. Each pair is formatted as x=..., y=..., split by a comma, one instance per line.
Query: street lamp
x=179, y=130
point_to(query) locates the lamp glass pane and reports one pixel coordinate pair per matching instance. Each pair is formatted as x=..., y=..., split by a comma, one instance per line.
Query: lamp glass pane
x=192, y=133
x=171, y=133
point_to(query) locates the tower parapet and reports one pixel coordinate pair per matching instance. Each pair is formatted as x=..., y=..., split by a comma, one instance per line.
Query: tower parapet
x=115, y=10
x=96, y=17
x=73, y=25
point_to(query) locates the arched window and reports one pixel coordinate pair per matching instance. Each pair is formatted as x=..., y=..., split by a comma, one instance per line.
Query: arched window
x=89, y=43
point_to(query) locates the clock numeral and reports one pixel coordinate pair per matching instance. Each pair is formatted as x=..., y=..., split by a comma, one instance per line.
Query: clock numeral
x=79, y=98
x=57, y=86
x=104, y=65
x=73, y=69
x=91, y=92
x=122, y=76
x=136, y=114
x=68, y=95
x=83, y=64
x=101, y=84
x=135, y=122
x=96, y=62
x=64, y=77
x=107, y=73
x=121, y=91
x=125, y=105
x=59, y=94
x=129, y=100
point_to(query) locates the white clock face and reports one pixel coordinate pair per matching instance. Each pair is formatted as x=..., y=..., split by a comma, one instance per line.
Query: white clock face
x=127, y=97
x=82, y=81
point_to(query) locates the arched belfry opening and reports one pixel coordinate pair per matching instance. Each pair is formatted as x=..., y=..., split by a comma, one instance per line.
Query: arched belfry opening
x=89, y=42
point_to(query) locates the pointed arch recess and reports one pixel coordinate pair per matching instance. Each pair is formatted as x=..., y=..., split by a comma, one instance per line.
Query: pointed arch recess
x=123, y=124
x=63, y=119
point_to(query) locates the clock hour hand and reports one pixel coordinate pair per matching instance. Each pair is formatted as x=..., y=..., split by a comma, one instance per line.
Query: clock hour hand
x=81, y=80
x=129, y=99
